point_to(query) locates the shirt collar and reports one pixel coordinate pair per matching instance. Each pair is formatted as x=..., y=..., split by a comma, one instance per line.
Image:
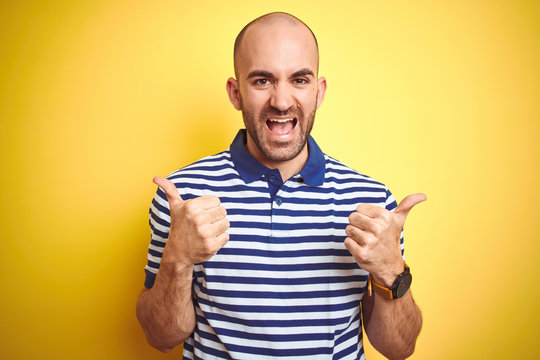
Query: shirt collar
x=250, y=169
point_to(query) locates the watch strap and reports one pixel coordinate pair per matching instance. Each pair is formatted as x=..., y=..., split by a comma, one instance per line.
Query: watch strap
x=385, y=292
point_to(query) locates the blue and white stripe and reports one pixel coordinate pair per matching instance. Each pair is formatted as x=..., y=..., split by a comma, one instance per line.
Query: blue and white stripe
x=284, y=286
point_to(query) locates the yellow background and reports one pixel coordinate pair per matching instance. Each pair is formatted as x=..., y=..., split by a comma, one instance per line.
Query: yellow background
x=97, y=97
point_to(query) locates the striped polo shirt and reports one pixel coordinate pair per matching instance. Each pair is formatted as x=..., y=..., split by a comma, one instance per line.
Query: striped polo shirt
x=284, y=285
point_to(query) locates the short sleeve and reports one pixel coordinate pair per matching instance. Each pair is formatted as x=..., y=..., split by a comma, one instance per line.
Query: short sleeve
x=391, y=205
x=160, y=222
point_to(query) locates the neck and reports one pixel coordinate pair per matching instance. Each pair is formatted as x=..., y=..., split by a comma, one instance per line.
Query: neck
x=286, y=168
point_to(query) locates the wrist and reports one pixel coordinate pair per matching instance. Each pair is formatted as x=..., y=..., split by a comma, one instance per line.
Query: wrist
x=388, y=277
x=172, y=257
x=175, y=269
x=172, y=278
x=397, y=290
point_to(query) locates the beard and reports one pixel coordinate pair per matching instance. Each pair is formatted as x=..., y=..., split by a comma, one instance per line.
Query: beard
x=278, y=150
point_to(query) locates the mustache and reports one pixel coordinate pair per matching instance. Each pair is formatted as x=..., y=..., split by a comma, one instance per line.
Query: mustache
x=272, y=111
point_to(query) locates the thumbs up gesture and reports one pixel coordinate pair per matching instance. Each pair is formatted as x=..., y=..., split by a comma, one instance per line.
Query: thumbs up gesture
x=373, y=238
x=198, y=226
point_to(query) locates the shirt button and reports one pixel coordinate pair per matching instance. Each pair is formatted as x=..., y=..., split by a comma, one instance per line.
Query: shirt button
x=279, y=201
x=272, y=178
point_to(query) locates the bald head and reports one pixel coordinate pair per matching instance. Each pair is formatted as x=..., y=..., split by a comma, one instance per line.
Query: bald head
x=267, y=22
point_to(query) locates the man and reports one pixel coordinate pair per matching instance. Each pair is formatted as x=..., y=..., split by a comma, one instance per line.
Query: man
x=272, y=249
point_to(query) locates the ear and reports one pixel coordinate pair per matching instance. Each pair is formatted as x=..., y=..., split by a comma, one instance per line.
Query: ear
x=234, y=93
x=321, y=83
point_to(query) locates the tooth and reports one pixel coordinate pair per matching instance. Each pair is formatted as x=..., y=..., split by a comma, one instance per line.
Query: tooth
x=281, y=120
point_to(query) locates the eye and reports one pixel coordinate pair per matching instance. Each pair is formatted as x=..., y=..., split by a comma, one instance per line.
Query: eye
x=300, y=81
x=261, y=82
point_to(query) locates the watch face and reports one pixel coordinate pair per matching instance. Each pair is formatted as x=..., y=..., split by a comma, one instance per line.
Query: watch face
x=404, y=285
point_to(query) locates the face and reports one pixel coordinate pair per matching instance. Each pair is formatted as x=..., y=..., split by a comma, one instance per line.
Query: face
x=278, y=135
x=277, y=89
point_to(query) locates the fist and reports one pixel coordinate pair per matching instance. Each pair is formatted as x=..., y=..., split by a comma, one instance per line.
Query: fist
x=198, y=226
x=373, y=238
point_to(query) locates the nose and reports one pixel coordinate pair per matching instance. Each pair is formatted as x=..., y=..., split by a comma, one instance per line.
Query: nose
x=282, y=97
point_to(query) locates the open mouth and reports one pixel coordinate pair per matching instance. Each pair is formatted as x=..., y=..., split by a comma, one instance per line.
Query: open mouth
x=281, y=127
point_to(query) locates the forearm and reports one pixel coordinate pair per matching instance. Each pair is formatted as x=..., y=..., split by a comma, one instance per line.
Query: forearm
x=166, y=311
x=392, y=326
x=198, y=229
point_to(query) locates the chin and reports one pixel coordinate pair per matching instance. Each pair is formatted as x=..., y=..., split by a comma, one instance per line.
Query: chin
x=281, y=152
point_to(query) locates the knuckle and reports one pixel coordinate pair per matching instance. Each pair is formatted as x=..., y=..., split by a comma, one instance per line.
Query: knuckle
x=212, y=199
x=226, y=236
x=216, y=246
x=203, y=232
x=362, y=254
x=376, y=228
x=199, y=218
x=349, y=244
x=191, y=206
x=220, y=241
x=370, y=241
x=386, y=216
x=207, y=247
x=379, y=228
x=189, y=216
x=223, y=211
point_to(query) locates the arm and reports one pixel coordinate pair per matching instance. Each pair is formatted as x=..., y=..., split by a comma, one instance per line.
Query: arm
x=392, y=326
x=166, y=311
x=197, y=231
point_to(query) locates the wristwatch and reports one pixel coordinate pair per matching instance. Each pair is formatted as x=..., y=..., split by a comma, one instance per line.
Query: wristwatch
x=399, y=288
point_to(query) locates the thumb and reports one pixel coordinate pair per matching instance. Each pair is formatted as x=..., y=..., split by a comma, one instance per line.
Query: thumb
x=408, y=202
x=170, y=190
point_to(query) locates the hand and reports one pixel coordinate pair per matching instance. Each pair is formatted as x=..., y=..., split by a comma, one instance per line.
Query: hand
x=374, y=238
x=198, y=226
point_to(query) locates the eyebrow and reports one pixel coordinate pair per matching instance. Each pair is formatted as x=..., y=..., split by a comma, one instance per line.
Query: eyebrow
x=303, y=72
x=262, y=73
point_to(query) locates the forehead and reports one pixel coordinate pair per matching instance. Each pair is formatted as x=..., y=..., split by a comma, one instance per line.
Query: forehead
x=279, y=47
